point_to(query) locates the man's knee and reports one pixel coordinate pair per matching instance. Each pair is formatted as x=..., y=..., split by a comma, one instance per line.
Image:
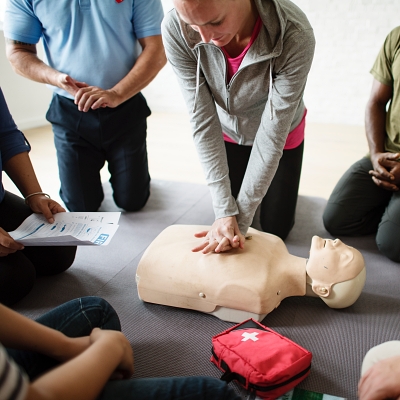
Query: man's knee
x=387, y=240
x=79, y=202
x=332, y=219
x=134, y=201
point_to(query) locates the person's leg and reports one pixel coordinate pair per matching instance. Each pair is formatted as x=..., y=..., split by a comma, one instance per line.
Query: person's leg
x=75, y=318
x=387, y=237
x=17, y=277
x=19, y=270
x=77, y=138
x=279, y=204
x=238, y=157
x=17, y=273
x=176, y=388
x=379, y=353
x=356, y=204
x=46, y=260
x=125, y=132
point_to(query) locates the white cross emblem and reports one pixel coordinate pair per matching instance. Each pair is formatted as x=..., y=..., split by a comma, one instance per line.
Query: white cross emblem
x=247, y=336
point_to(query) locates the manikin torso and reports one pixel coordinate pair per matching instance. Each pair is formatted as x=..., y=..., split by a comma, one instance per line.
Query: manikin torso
x=233, y=286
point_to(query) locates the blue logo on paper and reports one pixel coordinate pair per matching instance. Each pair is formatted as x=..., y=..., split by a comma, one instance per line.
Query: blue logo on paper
x=101, y=239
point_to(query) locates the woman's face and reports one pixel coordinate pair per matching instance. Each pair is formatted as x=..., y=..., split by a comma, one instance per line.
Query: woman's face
x=217, y=21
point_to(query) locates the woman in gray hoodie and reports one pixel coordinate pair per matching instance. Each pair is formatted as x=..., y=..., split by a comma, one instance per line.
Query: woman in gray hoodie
x=242, y=66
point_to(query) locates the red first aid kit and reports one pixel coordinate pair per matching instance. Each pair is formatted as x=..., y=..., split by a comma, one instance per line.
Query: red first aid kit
x=264, y=362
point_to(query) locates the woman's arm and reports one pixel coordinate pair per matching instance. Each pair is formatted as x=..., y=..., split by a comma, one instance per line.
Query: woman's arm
x=291, y=72
x=19, y=168
x=84, y=377
x=89, y=361
x=23, y=333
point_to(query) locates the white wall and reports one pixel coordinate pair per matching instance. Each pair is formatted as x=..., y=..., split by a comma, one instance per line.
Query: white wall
x=349, y=34
x=27, y=100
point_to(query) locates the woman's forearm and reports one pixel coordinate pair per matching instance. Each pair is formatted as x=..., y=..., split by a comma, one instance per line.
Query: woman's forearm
x=82, y=378
x=20, y=332
x=20, y=170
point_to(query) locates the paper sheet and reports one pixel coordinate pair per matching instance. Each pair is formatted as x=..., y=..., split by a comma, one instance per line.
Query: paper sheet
x=68, y=229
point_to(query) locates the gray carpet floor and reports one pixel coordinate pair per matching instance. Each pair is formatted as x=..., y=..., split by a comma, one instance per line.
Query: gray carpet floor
x=176, y=342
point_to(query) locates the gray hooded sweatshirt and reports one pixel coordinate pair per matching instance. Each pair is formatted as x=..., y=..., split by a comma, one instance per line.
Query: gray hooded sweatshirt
x=260, y=105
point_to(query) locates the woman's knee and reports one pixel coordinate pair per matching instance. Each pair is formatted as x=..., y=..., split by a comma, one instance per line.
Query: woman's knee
x=51, y=260
x=100, y=313
x=17, y=277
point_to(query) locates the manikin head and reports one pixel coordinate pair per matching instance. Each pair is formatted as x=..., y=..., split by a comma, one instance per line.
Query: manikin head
x=335, y=272
x=217, y=21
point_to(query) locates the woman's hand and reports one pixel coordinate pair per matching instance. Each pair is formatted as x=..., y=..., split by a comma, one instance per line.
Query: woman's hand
x=7, y=244
x=43, y=205
x=223, y=236
x=116, y=339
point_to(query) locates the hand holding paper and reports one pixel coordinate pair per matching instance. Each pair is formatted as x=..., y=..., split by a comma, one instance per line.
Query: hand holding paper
x=68, y=229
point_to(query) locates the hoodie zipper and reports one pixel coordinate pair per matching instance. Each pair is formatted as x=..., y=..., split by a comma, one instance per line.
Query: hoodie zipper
x=229, y=85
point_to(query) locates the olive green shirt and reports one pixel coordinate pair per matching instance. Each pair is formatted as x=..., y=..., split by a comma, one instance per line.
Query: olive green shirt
x=386, y=70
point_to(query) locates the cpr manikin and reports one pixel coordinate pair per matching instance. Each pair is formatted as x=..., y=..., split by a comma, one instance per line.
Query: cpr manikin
x=249, y=282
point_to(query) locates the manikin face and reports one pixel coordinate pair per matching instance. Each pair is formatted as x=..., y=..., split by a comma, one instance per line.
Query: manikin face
x=217, y=21
x=331, y=262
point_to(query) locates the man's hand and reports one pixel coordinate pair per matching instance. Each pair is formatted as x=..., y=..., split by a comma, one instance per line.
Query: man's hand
x=92, y=97
x=381, y=381
x=386, y=172
x=7, y=244
x=223, y=236
x=69, y=84
x=43, y=205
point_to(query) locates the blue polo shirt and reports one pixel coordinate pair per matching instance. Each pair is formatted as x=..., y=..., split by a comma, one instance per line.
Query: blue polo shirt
x=93, y=41
x=12, y=141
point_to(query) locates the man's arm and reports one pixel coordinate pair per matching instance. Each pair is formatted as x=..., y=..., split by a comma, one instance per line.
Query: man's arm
x=385, y=173
x=25, y=62
x=149, y=63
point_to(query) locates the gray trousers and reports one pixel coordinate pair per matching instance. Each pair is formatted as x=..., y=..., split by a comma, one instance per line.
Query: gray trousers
x=357, y=206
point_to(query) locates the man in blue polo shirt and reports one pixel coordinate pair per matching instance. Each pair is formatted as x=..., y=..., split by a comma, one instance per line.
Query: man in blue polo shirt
x=99, y=54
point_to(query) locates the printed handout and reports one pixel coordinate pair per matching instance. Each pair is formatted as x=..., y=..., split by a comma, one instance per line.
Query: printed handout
x=68, y=229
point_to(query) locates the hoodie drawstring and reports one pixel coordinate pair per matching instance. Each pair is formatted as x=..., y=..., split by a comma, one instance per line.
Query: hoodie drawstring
x=197, y=80
x=271, y=86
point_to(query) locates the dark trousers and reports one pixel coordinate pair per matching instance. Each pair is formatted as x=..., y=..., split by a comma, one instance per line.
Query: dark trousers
x=86, y=140
x=279, y=204
x=18, y=271
x=359, y=207
x=77, y=318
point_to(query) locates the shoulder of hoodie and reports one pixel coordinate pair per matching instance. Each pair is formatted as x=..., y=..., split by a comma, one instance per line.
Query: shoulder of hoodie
x=170, y=24
x=294, y=23
x=294, y=19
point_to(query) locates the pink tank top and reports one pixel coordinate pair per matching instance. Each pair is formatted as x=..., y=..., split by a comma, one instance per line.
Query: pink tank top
x=296, y=136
